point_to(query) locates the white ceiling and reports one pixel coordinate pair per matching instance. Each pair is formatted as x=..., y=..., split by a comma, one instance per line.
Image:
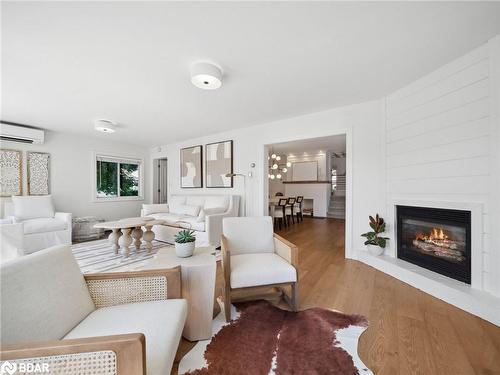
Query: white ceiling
x=67, y=63
x=335, y=143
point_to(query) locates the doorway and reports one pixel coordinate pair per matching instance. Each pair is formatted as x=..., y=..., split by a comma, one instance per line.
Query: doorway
x=313, y=172
x=160, y=180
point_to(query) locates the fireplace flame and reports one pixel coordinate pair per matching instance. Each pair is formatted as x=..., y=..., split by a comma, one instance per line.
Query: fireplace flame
x=437, y=234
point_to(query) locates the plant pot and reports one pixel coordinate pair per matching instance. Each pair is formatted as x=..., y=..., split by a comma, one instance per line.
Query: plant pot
x=375, y=250
x=184, y=250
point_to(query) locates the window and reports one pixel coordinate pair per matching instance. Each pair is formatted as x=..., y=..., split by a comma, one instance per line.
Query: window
x=117, y=178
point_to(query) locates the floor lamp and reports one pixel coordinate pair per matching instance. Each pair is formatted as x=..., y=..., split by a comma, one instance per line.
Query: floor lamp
x=244, y=188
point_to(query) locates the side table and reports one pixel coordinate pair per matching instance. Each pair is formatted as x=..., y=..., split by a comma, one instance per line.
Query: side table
x=198, y=287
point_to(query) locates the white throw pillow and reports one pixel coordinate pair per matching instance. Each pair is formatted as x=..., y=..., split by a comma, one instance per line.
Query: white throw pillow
x=204, y=212
x=185, y=209
x=33, y=207
x=148, y=209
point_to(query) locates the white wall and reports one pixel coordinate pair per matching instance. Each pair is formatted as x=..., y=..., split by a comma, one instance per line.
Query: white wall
x=364, y=126
x=442, y=144
x=72, y=176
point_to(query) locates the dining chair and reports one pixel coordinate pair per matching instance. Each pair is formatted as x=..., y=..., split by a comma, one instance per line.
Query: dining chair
x=289, y=209
x=278, y=213
x=298, y=208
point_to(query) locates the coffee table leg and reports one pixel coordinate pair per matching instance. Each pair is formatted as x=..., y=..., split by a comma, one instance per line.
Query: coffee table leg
x=137, y=235
x=113, y=239
x=125, y=241
x=148, y=237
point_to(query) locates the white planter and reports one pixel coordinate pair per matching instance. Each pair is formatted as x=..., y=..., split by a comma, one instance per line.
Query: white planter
x=375, y=250
x=184, y=250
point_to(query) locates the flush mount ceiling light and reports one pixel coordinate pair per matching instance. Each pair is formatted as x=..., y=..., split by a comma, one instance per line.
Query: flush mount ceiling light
x=206, y=76
x=105, y=126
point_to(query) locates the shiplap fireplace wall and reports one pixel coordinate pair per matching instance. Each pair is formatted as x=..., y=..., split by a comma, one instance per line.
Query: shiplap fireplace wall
x=442, y=145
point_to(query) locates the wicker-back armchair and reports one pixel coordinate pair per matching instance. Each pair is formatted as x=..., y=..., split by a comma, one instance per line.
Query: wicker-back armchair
x=54, y=316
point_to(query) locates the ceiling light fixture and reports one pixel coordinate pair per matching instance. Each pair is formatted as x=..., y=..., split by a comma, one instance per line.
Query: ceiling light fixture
x=105, y=126
x=288, y=164
x=206, y=76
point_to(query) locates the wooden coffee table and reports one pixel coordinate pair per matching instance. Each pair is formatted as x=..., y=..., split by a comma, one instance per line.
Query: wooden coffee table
x=129, y=230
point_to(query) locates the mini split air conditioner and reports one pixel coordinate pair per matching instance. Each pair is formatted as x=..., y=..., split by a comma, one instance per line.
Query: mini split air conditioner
x=22, y=134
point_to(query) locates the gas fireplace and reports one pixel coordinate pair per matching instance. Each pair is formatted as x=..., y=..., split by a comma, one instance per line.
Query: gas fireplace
x=437, y=239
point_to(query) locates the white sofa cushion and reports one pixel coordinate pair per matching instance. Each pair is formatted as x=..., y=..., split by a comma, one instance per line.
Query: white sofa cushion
x=216, y=201
x=43, y=225
x=44, y=295
x=180, y=221
x=148, y=209
x=195, y=200
x=185, y=209
x=169, y=218
x=260, y=269
x=161, y=322
x=33, y=207
x=175, y=201
x=249, y=234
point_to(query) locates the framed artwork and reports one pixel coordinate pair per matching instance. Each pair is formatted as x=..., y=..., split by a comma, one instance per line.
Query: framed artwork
x=38, y=164
x=219, y=162
x=11, y=180
x=192, y=167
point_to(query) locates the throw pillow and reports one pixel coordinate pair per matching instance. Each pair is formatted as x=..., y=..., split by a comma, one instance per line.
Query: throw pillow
x=148, y=209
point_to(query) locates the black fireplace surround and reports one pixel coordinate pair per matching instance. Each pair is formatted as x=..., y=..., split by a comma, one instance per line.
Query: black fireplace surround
x=437, y=239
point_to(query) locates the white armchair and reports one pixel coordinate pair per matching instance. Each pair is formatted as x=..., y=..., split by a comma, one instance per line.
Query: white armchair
x=35, y=224
x=253, y=256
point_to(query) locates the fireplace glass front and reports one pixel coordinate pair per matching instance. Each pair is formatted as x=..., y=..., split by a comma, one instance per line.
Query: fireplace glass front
x=436, y=239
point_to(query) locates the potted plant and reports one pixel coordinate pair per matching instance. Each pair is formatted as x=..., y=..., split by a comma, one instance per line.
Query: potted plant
x=374, y=242
x=184, y=243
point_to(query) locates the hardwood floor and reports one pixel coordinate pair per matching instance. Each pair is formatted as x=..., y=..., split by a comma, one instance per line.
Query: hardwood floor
x=410, y=331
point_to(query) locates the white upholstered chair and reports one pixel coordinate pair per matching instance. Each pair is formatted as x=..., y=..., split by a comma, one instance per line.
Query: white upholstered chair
x=253, y=256
x=115, y=323
x=31, y=224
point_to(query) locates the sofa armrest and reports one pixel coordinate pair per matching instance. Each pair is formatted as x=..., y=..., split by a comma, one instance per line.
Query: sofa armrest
x=116, y=288
x=213, y=227
x=286, y=250
x=64, y=216
x=11, y=241
x=126, y=352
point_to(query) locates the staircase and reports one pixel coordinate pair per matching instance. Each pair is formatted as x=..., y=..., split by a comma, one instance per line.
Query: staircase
x=336, y=210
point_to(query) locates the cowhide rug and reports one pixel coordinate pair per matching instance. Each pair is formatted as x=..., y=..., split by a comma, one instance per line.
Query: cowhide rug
x=263, y=339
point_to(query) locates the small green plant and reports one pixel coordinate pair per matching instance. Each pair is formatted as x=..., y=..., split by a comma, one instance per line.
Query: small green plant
x=185, y=236
x=373, y=238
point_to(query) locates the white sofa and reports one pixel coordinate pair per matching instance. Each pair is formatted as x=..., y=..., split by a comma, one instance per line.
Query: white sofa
x=201, y=213
x=31, y=224
x=127, y=323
